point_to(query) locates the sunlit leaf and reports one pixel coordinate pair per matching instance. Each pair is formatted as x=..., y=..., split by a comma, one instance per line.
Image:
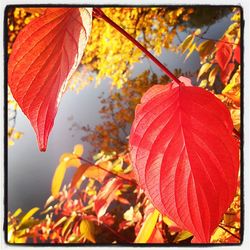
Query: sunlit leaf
x=226, y=73
x=191, y=50
x=58, y=178
x=182, y=236
x=78, y=175
x=49, y=200
x=204, y=68
x=224, y=53
x=17, y=212
x=97, y=173
x=205, y=48
x=45, y=54
x=185, y=156
x=28, y=215
x=147, y=227
x=212, y=75
x=187, y=43
x=67, y=224
x=59, y=222
x=106, y=196
x=156, y=237
x=87, y=230
x=78, y=150
x=129, y=214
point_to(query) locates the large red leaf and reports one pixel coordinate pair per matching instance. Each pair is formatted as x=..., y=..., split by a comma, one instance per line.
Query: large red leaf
x=224, y=53
x=184, y=155
x=45, y=55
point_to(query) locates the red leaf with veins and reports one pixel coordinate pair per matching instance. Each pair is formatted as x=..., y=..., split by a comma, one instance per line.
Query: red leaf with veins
x=45, y=55
x=224, y=53
x=185, y=156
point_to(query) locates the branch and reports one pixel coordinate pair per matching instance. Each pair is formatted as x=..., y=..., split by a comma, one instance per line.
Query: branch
x=108, y=171
x=99, y=13
x=215, y=40
x=234, y=235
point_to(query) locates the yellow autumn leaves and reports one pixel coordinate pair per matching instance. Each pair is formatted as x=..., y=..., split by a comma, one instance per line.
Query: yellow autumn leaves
x=66, y=160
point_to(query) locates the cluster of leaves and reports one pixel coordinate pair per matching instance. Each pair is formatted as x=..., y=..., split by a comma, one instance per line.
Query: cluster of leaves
x=220, y=64
x=117, y=113
x=104, y=204
x=155, y=28
x=103, y=198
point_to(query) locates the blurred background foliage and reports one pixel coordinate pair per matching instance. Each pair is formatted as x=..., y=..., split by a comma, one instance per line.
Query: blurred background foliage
x=103, y=203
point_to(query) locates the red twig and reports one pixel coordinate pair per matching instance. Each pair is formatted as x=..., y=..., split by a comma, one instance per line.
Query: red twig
x=237, y=237
x=106, y=170
x=99, y=13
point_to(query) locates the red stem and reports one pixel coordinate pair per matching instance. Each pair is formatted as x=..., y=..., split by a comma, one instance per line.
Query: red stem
x=106, y=170
x=99, y=13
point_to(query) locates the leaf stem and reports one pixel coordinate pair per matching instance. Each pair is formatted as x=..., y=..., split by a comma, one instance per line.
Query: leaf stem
x=97, y=12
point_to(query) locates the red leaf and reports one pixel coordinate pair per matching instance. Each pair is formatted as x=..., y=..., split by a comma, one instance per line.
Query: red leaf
x=224, y=53
x=156, y=237
x=106, y=195
x=237, y=54
x=185, y=156
x=225, y=74
x=45, y=55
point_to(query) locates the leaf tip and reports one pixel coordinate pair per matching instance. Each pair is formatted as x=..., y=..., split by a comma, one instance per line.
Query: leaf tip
x=42, y=146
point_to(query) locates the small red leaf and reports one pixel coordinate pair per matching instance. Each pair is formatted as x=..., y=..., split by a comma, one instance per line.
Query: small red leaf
x=185, y=156
x=237, y=54
x=224, y=53
x=106, y=195
x=45, y=55
x=225, y=74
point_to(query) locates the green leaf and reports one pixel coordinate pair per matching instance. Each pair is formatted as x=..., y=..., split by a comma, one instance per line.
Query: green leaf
x=28, y=215
x=204, y=68
x=87, y=229
x=147, y=227
x=58, y=178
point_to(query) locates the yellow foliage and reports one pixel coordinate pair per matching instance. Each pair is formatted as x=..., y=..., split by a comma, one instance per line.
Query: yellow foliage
x=87, y=230
x=66, y=160
x=147, y=227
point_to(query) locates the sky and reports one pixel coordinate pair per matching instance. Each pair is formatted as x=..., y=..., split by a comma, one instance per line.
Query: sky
x=30, y=171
